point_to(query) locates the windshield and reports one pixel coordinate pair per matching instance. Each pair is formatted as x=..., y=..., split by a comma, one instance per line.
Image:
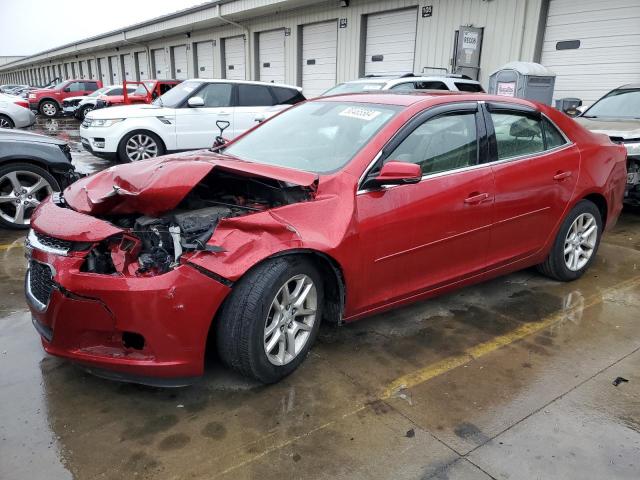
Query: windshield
x=318, y=137
x=141, y=90
x=622, y=103
x=354, y=87
x=100, y=91
x=177, y=94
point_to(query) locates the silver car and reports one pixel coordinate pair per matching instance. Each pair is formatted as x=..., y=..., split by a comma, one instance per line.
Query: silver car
x=617, y=115
x=14, y=113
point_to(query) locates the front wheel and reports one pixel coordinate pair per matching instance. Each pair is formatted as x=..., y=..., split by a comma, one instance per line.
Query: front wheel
x=22, y=187
x=49, y=108
x=576, y=244
x=271, y=319
x=140, y=145
x=83, y=111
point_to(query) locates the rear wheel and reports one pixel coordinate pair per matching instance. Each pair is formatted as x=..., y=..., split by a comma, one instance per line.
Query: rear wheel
x=22, y=187
x=576, y=244
x=140, y=145
x=271, y=319
x=6, y=122
x=49, y=108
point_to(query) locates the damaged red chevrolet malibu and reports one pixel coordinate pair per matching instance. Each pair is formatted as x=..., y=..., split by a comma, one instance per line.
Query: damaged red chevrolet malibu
x=331, y=211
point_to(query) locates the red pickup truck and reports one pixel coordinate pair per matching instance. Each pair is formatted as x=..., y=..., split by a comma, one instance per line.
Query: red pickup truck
x=48, y=101
x=147, y=92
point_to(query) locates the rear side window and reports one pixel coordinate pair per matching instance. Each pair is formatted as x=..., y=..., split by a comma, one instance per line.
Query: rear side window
x=165, y=87
x=517, y=134
x=90, y=86
x=254, y=96
x=440, y=144
x=287, y=96
x=469, y=87
x=552, y=137
x=76, y=86
x=116, y=91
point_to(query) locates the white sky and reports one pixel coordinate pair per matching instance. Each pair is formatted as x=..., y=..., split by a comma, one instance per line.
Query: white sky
x=31, y=26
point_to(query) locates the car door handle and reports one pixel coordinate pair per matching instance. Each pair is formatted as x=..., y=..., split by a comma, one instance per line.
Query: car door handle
x=476, y=198
x=224, y=113
x=562, y=175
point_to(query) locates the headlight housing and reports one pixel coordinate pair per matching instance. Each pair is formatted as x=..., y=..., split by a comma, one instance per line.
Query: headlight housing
x=93, y=122
x=32, y=95
x=633, y=148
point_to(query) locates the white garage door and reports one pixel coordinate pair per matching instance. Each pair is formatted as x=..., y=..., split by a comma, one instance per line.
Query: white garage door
x=204, y=59
x=143, y=65
x=319, y=44
x=128, y=67
x=271, y=56
x=93, y=72
x=234, y=58
x=592, y=46
x=390, y=42
x=83, y=69
x=104, y=71
x=179, y=62
x=116, y=78
x=160, y=64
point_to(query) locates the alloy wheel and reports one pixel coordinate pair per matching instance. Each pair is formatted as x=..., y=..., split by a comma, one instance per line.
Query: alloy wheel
x=580, y=242
x=4, y=123
x=290, y=319
x=141, y=147
x=49, y=109
x=20, y=192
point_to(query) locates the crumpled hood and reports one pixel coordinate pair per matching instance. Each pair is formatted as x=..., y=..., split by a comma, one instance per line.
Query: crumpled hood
x=131, y=111
x=155, y=186
x=626, y=129
x=79, y=97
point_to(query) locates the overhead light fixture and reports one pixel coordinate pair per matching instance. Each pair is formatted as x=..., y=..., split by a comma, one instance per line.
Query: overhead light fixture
x=344, y=3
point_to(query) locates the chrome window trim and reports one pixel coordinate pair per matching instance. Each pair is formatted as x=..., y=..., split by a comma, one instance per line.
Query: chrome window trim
x=32, y=241
x=568, y=144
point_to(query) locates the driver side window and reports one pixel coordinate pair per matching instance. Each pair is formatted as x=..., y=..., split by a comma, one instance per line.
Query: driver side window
x=216, y=95
x=440, y=144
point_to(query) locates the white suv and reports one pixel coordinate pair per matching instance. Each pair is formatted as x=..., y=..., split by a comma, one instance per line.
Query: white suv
x=184, y=118
x=407, y=82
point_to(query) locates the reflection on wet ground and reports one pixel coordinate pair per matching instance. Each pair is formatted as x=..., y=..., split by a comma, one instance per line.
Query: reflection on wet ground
x=68, y=129
x=507, y=379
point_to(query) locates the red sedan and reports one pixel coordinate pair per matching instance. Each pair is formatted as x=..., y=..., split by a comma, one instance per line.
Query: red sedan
x=336, y=209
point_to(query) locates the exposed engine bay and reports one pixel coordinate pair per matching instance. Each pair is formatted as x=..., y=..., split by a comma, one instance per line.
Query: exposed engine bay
x=632, y=194
x=152, y=245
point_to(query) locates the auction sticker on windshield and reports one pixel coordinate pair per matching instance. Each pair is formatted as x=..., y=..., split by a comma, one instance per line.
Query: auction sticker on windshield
x=360, y=113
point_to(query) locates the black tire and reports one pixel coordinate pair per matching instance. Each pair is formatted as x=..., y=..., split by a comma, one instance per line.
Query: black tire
x=122, y=152
x=82, y=112
x=12, y=167
x=240, y=327
x=555, y=266
x=6, y=122
x=49, y=108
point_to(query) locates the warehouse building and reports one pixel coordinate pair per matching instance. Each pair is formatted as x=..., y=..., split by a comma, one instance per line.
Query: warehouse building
x=591, y=45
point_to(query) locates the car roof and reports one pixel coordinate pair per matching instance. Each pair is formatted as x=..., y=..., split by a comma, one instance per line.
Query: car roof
x=409, y=98
x=411, y=78
x=23, y=136
x=245, y=82
x=628, y=86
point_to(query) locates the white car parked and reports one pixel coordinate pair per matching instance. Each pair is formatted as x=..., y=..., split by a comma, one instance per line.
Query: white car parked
x=184, y=118
x=80, y=106
x=408, y=82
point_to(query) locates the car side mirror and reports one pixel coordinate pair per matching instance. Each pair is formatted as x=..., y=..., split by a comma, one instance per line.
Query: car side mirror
x=397, y=173
x=195, y=102
x=67, y=89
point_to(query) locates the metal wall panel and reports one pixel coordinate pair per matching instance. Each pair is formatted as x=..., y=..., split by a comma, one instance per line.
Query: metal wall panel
x=204, y=59
x=234, y=58
x=609, y=51
x=318, y=57
x=271, y=57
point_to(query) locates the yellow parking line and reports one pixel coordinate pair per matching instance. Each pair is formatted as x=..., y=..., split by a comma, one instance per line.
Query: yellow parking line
x=438, y=368
x=10, y=245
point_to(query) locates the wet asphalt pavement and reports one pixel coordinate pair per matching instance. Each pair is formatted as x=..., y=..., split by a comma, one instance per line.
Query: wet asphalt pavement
x=510, y=379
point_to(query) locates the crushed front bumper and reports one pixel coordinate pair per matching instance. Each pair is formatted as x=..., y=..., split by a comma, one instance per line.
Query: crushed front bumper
x=87, y=317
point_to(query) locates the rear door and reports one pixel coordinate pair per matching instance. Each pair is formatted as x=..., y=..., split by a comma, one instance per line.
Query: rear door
x=418, y=237
x=196, y=127
x=536, y=170
x=252, y=104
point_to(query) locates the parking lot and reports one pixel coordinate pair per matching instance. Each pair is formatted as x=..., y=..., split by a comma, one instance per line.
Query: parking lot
x=513, y=378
